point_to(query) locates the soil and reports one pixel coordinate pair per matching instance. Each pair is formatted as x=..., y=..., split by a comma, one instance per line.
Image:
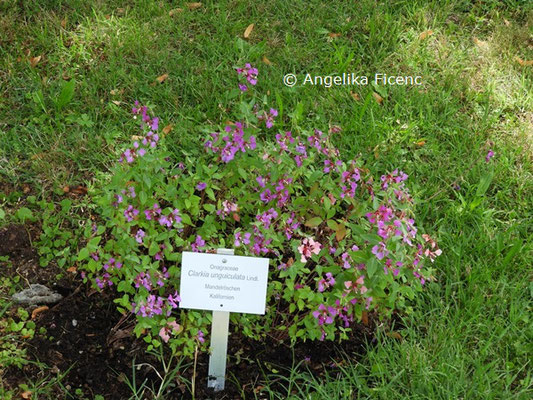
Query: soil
x=86, y=336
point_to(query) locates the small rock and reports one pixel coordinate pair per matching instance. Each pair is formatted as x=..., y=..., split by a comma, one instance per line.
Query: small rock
x=36, y=294
x=74, y=322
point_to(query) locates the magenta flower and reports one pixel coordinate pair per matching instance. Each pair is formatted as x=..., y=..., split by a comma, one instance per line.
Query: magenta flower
x=489, y=155
x=199, y=242
x=130, y=213
x=200, y=336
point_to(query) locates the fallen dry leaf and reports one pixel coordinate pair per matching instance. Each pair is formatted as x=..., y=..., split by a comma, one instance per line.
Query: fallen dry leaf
x=480, y=43
x=425, y=34
x=507, y=23
x=136, y=137
x=167, y=129
x=248, y=31
x=421, y=143
x=340, y=232
x=395, y=335
x=37, y=311
x=355, y=96
x=193, y=6
x=64, y=23
x=26, y=394
x=334, y=35
x=266, y=61
x=364, y=318
x=236, y=217
x=114, y=92
x=175, y=11
x=72, y=269
x=378, y=98
x=524, y=63
x=116, y=102
x=34, y=61
x=162, y=78
x=75, y=189
x=66, y=76
x=26, y=188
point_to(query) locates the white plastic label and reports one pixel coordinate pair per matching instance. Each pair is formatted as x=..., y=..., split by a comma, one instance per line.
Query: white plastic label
x=223, y=282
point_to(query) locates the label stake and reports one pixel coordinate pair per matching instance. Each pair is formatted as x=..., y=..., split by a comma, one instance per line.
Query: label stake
x=219, y=344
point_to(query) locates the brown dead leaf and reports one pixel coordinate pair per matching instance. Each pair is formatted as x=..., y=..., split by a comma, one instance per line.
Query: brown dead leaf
x=355, y=96
x=334, y=35
x=115, y=92
x=35, y=60
x=236, y=217
x=340, y=232
x=267, y=61
x=524, y=63
x=507, y=23
x=64, y=23
x=175, y=11
x=421, y=143
x=37, y=311
x=66, y=76
x=26, y=394
x=248, y=31
x=26, y=188
x=425, y=34
x=364, y=318
x=116, y=102
x=167, y=129
x=81, y=190
x=395, y=335
x=193, y=6
x=480, y=43
x=378, y=98
x=162, y=78
x=290, y=262
x=136, y=137
x=72, y=269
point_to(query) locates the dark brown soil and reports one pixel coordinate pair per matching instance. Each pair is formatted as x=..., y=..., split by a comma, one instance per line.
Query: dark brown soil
x=86, y=334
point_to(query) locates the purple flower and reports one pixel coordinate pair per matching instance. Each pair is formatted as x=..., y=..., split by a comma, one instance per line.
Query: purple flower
x=201, y=186
x=200, y=336
x=130, y=213
x=489, y=155
x=243, y=87
x=199, y=242
x=139, y=236
x=380, y=251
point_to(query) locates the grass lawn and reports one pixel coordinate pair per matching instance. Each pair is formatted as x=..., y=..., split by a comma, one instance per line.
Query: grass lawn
x=469, y=335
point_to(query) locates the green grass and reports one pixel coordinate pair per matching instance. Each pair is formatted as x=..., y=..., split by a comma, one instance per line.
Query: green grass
x=469, y=336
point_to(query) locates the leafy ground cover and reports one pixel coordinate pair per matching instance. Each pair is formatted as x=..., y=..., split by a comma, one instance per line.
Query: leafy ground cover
x=70, y=71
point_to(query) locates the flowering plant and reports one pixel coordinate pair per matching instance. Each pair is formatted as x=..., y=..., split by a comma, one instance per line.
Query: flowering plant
x=340, y=242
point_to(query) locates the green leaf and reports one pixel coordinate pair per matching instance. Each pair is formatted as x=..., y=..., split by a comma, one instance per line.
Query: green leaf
x=209, y=207
x=484, y=183
x=371, y=266
x=66, y=95
x=2, y=214
x=143, y=197
x=83, y=254
x=24, y=214
x=331, y=224
x=313, y=222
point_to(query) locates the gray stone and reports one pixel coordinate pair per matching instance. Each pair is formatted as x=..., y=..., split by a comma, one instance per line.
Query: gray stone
x=36, y=294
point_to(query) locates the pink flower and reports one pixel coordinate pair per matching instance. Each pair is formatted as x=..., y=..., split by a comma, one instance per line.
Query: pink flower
x=309, y=247
x=489, y=155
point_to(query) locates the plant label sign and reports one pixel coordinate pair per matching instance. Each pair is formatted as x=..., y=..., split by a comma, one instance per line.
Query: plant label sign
x=222, y=282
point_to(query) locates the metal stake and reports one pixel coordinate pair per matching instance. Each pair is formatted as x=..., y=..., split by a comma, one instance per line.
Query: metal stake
x=219, y=344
